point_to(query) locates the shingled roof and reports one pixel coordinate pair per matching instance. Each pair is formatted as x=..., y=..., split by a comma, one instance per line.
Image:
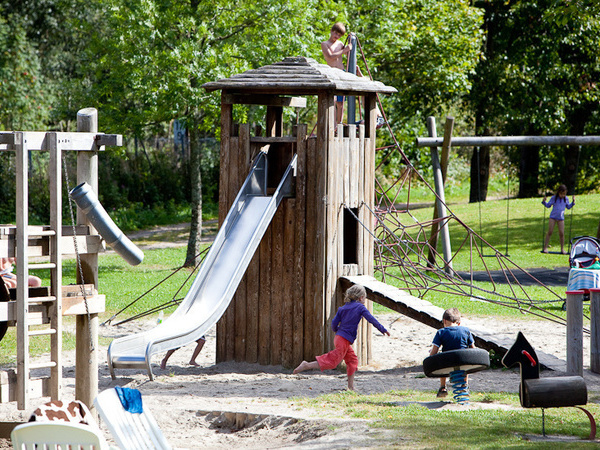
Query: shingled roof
x=298, y=76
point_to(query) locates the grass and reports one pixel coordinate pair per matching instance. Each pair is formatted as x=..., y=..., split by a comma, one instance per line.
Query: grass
x=417, y=426
x=122, y=284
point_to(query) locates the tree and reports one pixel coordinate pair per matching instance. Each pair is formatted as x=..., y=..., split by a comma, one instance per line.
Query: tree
x=427, y=49
x=150, y=59
x=24, y=102
x=537, y=77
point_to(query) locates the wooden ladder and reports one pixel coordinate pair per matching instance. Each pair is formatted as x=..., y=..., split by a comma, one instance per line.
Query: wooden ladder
x=50, y=306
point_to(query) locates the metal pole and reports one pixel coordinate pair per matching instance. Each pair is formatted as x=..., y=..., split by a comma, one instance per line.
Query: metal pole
x=441, y=199
x=352, y=69
x=503, y=141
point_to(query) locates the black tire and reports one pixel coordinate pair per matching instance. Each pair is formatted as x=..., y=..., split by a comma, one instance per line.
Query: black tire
x=4, y=297
x=468, y=359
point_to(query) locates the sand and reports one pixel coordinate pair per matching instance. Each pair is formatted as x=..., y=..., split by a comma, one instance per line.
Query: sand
x=245, y=405
x=241, y=405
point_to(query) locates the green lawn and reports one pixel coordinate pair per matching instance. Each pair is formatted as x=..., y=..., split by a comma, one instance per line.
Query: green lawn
x=414, y=425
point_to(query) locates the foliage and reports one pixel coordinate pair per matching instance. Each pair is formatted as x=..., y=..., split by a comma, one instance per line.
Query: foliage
x=427, y=49
x=539, y=77
x=24, y=98
x=151, y=58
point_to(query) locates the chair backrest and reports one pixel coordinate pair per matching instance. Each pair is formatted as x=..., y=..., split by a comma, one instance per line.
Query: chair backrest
x=55, y=435
x=131, y=431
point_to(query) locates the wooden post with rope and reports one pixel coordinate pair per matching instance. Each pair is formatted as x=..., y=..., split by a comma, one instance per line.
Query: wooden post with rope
x=45, y=306
x=86, y=355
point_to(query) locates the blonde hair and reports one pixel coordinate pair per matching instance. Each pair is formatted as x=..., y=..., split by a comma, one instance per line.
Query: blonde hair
x=355, y=292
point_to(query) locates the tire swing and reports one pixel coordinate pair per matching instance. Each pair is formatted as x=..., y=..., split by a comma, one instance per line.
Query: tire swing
x=456, y=365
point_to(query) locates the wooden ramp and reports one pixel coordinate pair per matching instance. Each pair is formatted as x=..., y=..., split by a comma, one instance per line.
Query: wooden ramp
x=429, y=314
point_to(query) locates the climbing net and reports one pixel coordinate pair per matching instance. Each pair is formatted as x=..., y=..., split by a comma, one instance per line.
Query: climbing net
x=406, y=253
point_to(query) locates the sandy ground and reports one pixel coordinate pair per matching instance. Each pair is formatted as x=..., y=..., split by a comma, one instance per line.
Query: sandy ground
x=250, y=406
x=240, y=405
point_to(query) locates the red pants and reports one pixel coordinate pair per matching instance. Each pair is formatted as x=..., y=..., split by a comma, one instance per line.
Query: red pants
x=343, y=351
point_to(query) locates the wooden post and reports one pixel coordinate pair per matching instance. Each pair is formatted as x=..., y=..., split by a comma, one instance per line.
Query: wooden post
x=575, y=332
x=595, y=330
x=441, y=199
x=86, y=355
x=55, y=173
x=23, y=382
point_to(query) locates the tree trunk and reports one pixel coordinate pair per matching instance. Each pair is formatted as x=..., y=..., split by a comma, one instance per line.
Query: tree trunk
x=577, y=121
x=529, y=167
x=193, y=248
x=480, y=174
x=571, y=153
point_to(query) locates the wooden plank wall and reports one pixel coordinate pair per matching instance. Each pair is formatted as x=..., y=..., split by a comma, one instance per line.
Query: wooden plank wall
x=282, y=310
x=350, y=189
x=266, y=321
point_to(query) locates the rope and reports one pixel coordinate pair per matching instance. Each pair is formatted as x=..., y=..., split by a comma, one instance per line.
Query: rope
x=77, y=255
x=400, y=248
x=199, y=256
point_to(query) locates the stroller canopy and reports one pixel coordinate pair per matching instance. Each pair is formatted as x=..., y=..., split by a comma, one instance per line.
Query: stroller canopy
x=585, y=251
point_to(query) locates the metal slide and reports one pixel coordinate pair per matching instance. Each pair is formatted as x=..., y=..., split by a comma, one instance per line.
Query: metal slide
x=218, y=277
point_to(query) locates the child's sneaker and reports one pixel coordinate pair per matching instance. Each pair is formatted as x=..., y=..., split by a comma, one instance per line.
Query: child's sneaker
x=442, y=392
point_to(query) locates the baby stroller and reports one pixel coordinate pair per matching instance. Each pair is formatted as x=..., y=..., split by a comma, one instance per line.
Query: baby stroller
x=585, y=252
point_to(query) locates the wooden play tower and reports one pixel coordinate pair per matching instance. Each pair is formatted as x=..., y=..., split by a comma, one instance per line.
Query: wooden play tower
x=282, y=310
x=39, y=315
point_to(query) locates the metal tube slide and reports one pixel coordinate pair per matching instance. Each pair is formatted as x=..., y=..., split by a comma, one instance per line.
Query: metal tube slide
x=88, y=202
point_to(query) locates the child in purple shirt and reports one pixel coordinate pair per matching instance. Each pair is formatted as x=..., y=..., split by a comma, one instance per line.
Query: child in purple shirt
x=452, y=337
x=558, y=202
x=345, y=324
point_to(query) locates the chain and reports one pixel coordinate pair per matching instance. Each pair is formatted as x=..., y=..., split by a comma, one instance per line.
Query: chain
x=79, y=268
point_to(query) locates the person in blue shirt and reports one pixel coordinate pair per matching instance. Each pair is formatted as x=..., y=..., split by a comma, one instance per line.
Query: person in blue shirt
x=558, y=202
x=345, y=324
x=452, y=337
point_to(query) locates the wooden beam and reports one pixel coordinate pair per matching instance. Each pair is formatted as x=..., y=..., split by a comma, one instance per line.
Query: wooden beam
x=82, y=142
x=273, y=139
x=7, y=427
x=268, y=100
x=425, y=312
x=39, y=387
x=86, y=326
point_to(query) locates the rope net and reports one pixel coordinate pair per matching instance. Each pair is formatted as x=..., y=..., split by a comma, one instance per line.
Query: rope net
x=406, y=254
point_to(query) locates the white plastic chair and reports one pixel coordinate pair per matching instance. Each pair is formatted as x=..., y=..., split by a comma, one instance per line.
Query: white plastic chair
x=131, y=431
x=56, y=435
